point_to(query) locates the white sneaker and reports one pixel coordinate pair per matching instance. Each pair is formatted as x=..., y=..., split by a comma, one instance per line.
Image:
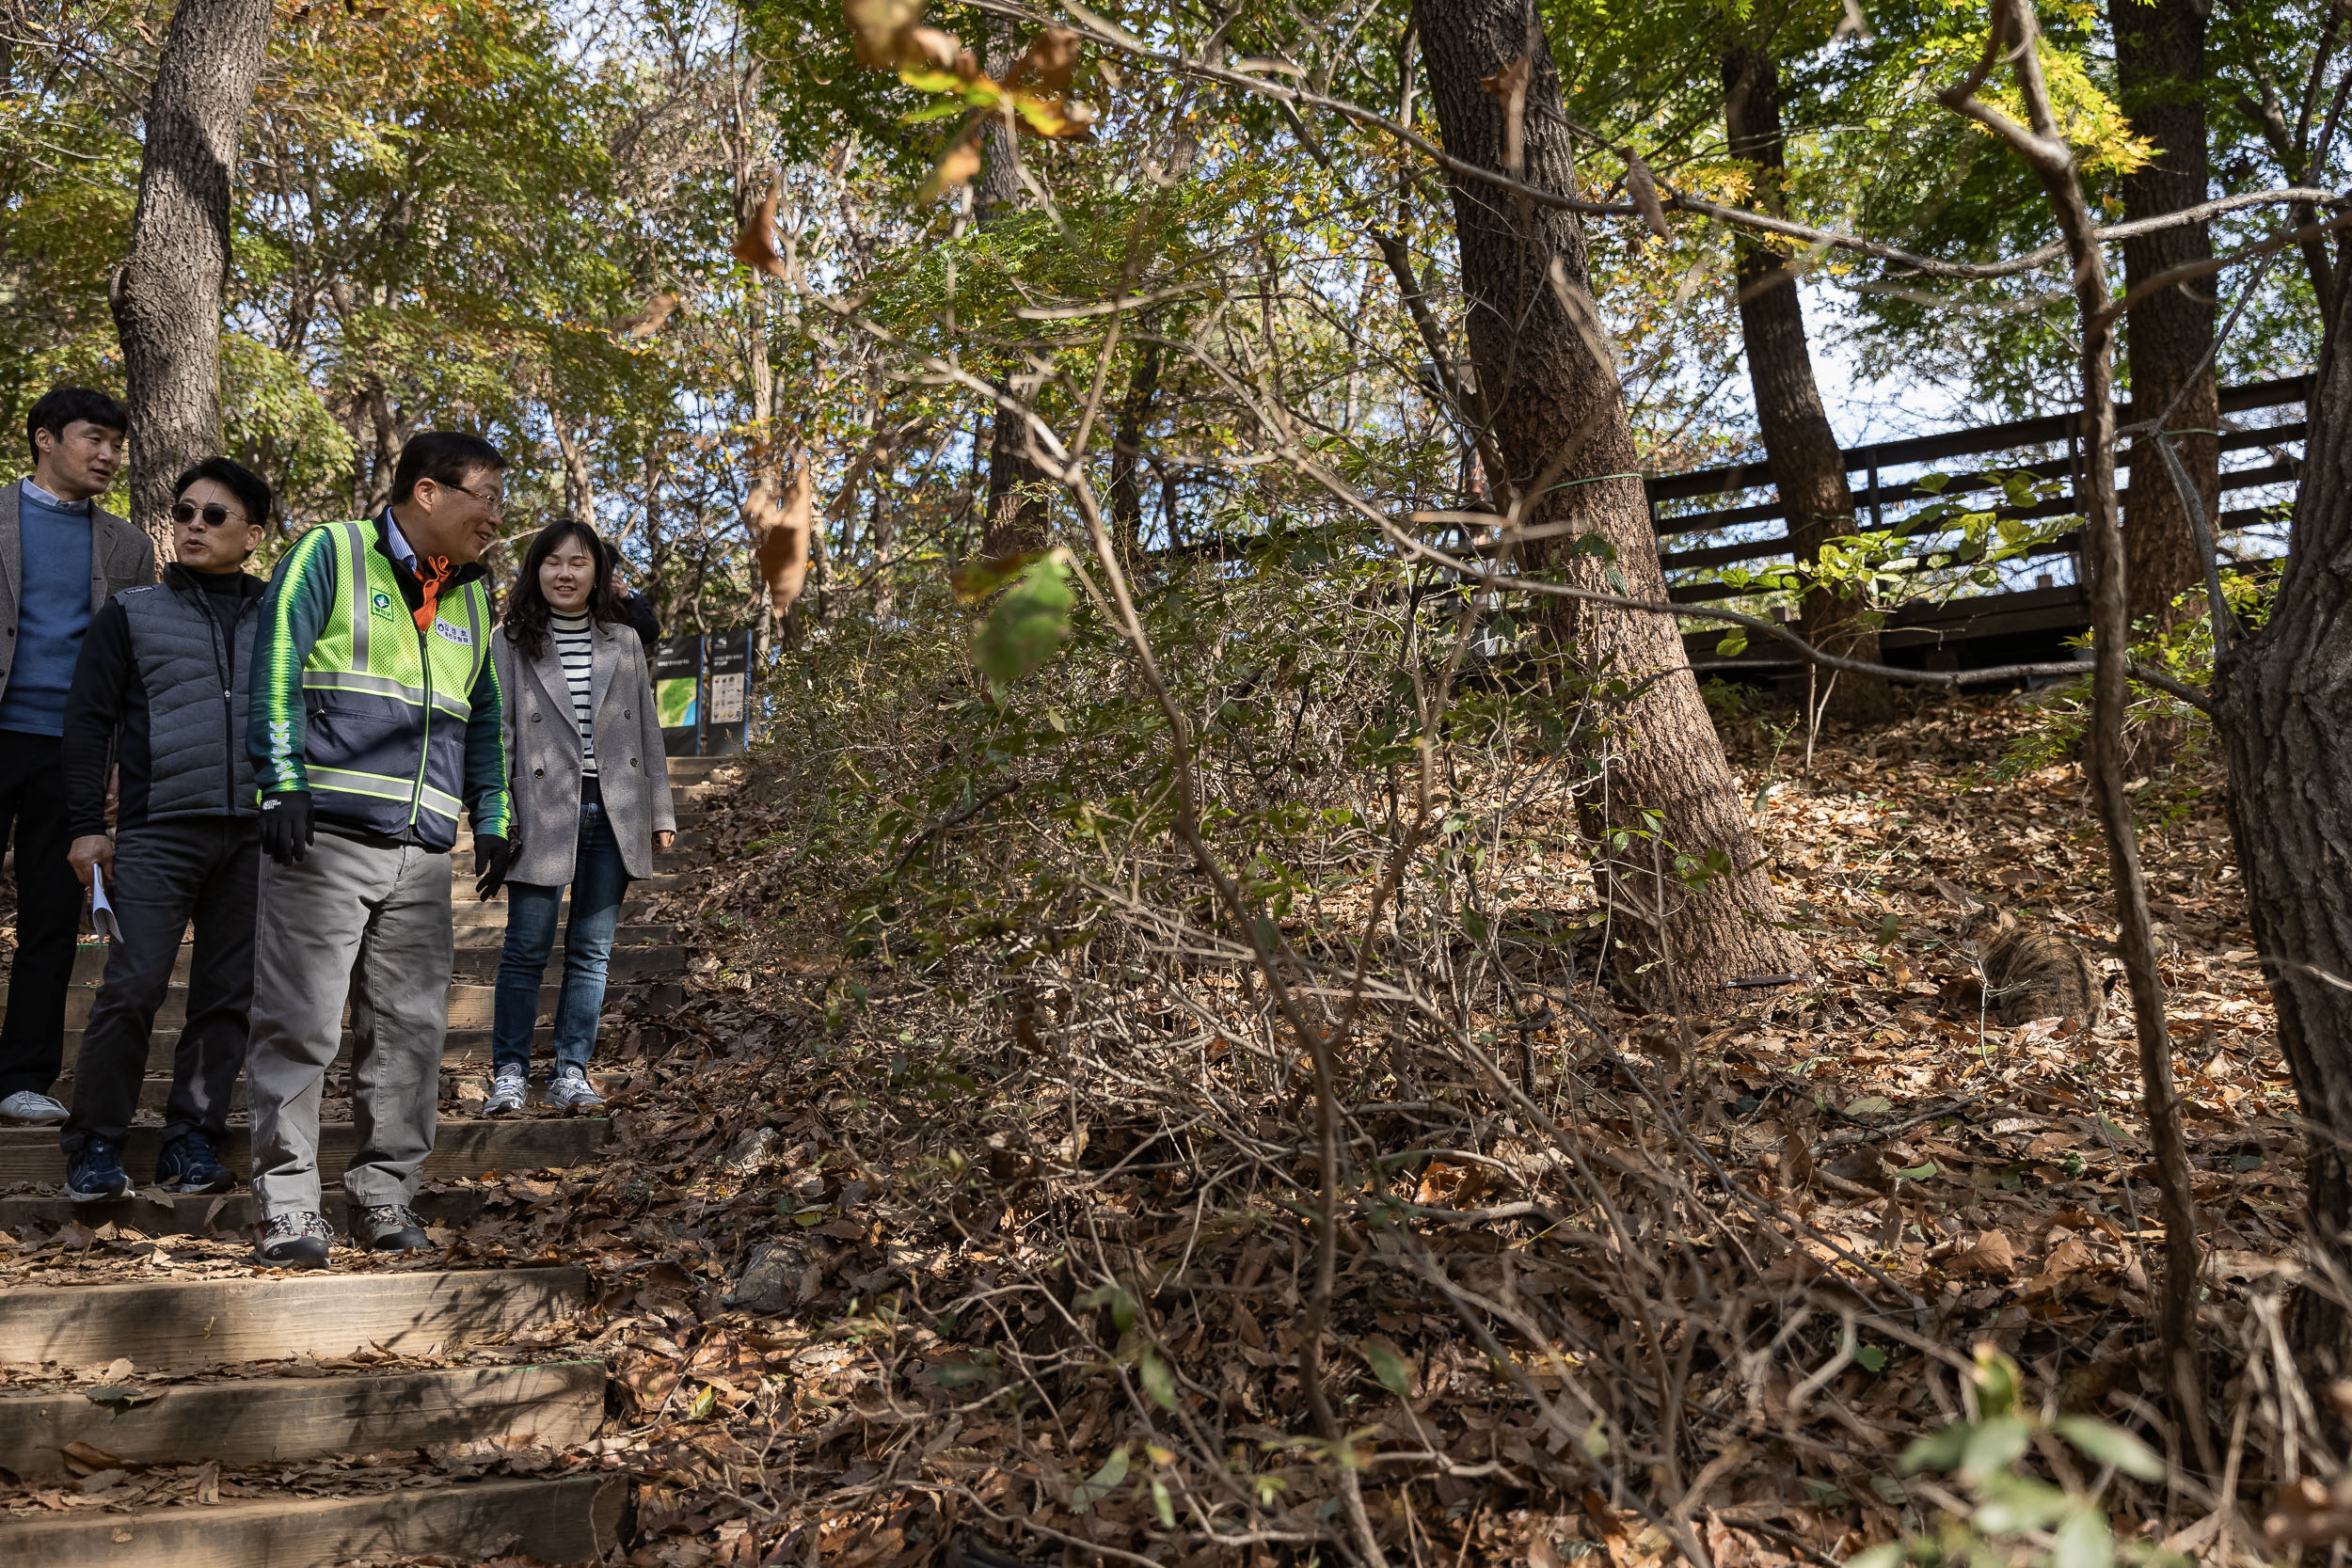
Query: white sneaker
x=507, y=1092
x=37, y=1109
x=571, y=1091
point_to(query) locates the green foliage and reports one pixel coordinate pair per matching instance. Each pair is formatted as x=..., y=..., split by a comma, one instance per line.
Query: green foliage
x=2017, y=1518
x=1029, y=623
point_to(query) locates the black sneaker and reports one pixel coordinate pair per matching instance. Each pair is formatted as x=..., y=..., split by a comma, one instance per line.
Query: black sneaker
x=296, y=1240
x=94, y=1173
x=389, y=1228
x=189, y=1164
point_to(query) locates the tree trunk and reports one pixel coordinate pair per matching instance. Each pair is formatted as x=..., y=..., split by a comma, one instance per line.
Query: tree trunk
x=1552, y=387
x=580, y=480
x=1808, y=470
x=167, y=295
x=2282, y=697
x=2160, y=68
x=1018, y=514
x=1135, y=413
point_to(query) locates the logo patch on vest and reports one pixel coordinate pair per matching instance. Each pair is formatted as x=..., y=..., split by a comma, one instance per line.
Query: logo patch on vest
x=381, y=604
x=449, y=631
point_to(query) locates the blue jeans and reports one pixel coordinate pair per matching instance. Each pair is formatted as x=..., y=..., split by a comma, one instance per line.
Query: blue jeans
x=598, y=880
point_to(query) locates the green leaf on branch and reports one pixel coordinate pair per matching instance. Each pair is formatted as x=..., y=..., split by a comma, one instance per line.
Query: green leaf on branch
x=2111, y=1445
x=1158, y=1381
x=1394, y=1373
x=1098, y=1486
x=1029, y=622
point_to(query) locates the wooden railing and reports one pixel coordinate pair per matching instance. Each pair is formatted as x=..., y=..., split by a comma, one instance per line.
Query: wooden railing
x=1875, y=499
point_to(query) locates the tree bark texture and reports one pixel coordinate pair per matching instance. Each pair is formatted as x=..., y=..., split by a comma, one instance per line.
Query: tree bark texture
x=2285, y=714
x=1019, y=515
x=1808, y=470
x=1135, y=414
x=1549, y=380
x=167, y=295
x=2160, y=68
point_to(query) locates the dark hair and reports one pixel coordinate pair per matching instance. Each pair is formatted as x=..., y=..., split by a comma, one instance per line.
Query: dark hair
x=445, y=458
x=527, y=607
x=252, y=490
x=63, y=405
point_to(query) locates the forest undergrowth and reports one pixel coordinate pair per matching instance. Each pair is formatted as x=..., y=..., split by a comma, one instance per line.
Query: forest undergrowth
x=1016, y=1256
x=966, y=1208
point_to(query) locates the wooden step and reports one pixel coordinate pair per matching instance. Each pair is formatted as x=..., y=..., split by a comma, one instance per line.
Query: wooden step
x=460, y=1148
x=262, y=1420
x=187, y=1324
x=472, y=1005
x=575, y=1519
x=90, y=959
x=152, y=1211
x=155, y=1088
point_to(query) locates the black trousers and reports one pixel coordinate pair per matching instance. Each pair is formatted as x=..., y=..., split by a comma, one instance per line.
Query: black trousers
x=202, y=868
x=48, y=902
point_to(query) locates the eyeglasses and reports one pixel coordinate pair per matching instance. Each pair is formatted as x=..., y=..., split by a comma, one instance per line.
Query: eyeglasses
x=213, y=513
x=492, y=504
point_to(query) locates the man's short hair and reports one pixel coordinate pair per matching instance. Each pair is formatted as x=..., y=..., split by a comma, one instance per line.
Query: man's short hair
x=251, y=489
x=63, y=405
x=445, y=458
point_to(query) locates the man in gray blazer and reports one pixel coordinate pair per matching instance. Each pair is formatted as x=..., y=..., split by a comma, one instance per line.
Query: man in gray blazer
x=62, y=558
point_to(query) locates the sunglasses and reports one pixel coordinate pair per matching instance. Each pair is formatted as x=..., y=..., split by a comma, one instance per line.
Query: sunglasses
x=213, y=513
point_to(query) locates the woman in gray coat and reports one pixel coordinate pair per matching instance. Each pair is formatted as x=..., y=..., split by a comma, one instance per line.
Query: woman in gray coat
x=592, y=800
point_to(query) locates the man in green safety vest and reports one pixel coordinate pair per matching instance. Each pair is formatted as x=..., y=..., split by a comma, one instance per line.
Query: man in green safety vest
x=375, y=715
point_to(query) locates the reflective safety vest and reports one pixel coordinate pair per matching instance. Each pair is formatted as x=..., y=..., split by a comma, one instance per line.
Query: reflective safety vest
x=385, y=705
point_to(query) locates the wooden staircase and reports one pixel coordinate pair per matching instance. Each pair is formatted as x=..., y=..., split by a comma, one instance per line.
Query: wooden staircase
x=270, y=1369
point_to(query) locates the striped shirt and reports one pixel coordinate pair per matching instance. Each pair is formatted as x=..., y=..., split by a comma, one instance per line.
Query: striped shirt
x=578, y=656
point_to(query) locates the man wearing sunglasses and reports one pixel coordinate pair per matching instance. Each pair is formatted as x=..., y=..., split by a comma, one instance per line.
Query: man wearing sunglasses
x=62, y=556
x=162, y=688
x=377, y=718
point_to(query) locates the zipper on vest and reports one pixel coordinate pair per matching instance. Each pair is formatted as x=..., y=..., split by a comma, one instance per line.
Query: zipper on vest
x=224, y=653
x=424, y=751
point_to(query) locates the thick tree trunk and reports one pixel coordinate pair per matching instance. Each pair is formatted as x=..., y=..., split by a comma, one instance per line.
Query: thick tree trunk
x=1808, y=468
x=1552, y=387
x=2160, y=67
x=2283, y=697
x=167, y=295
x=1018, y=514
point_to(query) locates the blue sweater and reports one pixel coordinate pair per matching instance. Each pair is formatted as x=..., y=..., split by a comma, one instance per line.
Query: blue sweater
x=52, y=610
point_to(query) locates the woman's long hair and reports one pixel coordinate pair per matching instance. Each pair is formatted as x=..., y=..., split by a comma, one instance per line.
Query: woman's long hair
x=526, y=610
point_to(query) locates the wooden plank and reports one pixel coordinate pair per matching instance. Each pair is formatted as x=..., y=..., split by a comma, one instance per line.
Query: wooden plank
x=204, y=1323
x=1961, y=443
x=634, y=948
x=462, y=1147
x=575, y=1519
x=152, y=1211
x=155, y=1088
x=263, y=1420
x=471, y=1005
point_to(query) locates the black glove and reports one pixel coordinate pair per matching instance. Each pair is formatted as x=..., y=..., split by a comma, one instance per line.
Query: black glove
x=287, y=829
x=492, y=855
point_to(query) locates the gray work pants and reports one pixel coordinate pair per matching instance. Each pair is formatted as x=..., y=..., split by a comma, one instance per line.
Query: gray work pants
x=374, y=919
x=200, y=869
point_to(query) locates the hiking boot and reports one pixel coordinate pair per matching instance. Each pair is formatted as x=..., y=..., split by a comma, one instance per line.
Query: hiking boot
x=389, y=1228
x=508, y=1091
x=37, y=1109
x=189, y=1164
x=94, y=1173
x=296, y=1240
x=571, y=1091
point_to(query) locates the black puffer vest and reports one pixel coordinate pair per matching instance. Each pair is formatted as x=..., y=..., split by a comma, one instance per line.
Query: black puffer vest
x=194, y=663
